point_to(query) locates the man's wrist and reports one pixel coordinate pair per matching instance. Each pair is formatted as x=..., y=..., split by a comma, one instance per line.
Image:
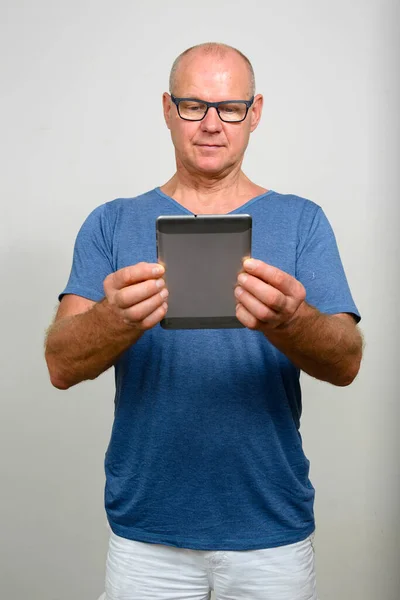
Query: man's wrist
x=115, y=322
x=304, y=313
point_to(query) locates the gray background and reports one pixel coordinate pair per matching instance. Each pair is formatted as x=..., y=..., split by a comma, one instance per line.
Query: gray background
x=81, y=123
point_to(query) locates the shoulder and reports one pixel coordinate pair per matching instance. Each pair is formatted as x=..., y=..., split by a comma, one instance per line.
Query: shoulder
x=289, y=210
x=122, y=204
x=108, y=214
x=293, y=201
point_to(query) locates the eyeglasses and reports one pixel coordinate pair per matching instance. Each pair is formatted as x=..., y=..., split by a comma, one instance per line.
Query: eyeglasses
x=229, y=111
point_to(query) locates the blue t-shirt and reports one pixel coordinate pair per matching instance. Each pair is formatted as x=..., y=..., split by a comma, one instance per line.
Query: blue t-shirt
x=205, y=451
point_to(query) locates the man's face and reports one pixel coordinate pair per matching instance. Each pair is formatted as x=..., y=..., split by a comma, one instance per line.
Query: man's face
x=211, y=146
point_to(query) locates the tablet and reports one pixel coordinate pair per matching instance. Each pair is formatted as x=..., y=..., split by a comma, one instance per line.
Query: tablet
x=202, y=256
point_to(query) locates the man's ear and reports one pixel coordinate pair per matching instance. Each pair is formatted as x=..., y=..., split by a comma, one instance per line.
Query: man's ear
x=256, y=111
x=166, y=100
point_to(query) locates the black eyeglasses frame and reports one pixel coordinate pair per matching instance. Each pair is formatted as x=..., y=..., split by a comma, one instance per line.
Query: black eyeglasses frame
x=215, y=105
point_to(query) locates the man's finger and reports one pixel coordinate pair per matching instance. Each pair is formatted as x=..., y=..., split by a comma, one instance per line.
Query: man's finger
x=258, y=309
x=280, y=280
x=136, y=274
x=132, y=295
x=140, y=313
x=267, y=294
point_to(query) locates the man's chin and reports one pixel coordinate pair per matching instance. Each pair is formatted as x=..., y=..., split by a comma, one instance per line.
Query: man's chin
x=207, y=165
x=210, y=165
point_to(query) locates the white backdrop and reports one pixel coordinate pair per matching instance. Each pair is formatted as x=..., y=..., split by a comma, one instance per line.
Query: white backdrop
x=81, y=124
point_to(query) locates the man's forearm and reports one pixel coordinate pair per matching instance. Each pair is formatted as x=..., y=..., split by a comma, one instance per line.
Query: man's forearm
x=326, y=347
x=83, y=346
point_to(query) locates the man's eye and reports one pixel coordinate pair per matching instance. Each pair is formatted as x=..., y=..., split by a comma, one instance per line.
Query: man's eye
x=229, y=108
x=191, y=105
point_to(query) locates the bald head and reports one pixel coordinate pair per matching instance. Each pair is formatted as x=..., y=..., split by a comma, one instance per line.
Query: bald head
x=212, y=50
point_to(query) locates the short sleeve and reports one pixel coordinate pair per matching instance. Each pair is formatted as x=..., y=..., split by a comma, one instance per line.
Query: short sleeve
x=92, y=258
x=319, y=267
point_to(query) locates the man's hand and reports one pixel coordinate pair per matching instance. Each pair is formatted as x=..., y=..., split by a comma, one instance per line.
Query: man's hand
x=266, y=297
x=328, y=347
x=137, y=294
x=90, y=339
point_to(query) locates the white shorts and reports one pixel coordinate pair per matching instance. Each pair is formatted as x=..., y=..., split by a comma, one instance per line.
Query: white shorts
x=144, y=571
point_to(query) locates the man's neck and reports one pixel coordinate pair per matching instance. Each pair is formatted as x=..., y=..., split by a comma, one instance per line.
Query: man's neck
x=208, y=196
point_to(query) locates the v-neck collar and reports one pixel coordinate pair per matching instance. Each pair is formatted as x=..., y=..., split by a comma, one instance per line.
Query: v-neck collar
x=232, y=212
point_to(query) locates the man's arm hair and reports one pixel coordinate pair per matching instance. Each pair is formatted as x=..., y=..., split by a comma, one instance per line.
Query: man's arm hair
x=85, y=339
x=88, y=337
x=327, y=347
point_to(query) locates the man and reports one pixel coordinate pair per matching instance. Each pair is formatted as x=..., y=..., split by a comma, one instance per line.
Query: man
x=206, y=481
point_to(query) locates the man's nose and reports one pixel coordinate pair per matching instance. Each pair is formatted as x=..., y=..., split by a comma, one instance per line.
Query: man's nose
x=211, y=121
